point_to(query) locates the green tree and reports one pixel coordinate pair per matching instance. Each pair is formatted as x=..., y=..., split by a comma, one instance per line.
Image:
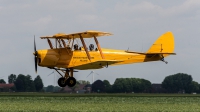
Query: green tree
x=198, y=91
x=57, y=89
x=178, y=82
x=50, y=88
x=108, y=87
x=98, y=86
x=194, y=87
x=24, y=83
x=2, y=81
x=128, y=85
x=20, y=83
x=118, y=85
x=11, y=78
x=38, y=83
x=29, y=84
x=122, y=85
x=137, y=85
x=146, y=85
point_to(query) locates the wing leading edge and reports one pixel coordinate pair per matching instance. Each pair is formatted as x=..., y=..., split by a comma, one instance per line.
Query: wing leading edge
x=86, y=34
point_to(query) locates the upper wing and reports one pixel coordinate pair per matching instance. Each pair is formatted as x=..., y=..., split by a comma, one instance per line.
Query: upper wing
x=86, y=34
x=96, y=64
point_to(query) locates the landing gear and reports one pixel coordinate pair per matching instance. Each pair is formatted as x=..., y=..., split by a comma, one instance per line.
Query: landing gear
x=62, y=82
x=68, y=79
x=71, y=81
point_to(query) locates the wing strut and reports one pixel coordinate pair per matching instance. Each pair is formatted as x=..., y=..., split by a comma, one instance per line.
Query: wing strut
x=64, y=44
x=86, y=50
x=99, y=47
x=50, y=44
x=56, y=42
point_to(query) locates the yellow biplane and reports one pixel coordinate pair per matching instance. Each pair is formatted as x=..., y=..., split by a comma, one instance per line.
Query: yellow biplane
x=67, y=55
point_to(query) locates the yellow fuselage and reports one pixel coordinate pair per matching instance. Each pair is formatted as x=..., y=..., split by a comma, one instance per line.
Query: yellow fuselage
x=63, y=58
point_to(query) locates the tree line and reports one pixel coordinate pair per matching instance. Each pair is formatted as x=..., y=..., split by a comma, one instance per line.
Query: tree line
x=122, y=85
x=175, y=83
x=24, y=83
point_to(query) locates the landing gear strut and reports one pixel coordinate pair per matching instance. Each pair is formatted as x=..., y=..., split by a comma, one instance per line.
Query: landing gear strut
x=68, y=79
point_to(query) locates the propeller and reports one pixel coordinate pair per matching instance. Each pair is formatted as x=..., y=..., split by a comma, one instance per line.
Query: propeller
x=35, y=53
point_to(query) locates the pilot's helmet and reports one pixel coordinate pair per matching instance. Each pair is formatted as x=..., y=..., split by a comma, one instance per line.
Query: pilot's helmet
x=91, y=47
x=75, y=47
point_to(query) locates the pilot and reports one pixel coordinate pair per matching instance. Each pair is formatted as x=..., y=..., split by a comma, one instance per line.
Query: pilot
x=75, y=47
x=91, y=47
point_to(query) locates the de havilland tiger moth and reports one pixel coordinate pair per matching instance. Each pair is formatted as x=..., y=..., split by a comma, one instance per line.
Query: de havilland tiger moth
x=66, y=55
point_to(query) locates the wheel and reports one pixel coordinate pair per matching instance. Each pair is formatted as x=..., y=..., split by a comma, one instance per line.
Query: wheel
x=61, y=82
x=71, y=81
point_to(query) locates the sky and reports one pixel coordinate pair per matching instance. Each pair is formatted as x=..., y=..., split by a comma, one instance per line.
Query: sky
x=136, y=24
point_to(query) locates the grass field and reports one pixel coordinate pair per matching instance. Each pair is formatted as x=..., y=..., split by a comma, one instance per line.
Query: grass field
x=99, y=102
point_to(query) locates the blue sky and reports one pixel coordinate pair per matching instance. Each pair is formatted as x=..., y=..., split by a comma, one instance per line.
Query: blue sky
x=135, y=25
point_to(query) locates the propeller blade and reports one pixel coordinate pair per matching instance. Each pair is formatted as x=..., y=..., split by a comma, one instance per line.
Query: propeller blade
x=35, y=53
x=35, y=64
x=34, y=44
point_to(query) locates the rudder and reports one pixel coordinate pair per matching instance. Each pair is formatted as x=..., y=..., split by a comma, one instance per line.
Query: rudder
x=164, y=44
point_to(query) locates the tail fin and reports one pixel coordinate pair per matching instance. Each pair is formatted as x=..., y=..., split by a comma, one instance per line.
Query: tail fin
x=164, y=44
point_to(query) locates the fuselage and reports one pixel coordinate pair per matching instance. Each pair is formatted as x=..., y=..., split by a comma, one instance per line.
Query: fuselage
x=63, y=58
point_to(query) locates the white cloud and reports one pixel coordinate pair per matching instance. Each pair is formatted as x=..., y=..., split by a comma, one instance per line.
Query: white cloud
x=189, y=6
x=86, y=17
x=62, y=5
x=143, y=7
x=148, y=9
x=39, y=22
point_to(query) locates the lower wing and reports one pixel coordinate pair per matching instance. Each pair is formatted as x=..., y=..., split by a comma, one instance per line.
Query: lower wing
x=96, y=65
x=152, y=53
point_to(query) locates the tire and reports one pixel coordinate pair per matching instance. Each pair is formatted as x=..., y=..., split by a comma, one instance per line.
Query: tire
x=71, y=81
x=61, y=82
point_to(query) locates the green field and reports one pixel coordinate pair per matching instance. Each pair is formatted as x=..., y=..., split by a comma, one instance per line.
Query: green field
x=99, y=102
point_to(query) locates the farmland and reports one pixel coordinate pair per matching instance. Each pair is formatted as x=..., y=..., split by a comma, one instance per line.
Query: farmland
x=98, y=102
